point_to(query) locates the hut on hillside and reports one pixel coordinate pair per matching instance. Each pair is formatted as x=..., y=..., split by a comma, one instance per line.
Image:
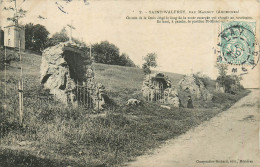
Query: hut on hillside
x=14, y=36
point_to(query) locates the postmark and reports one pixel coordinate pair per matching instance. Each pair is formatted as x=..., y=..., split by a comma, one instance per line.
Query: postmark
x=238, y=46
x=62, y=7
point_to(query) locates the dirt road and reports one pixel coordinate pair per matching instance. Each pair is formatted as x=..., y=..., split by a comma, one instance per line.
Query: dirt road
x=229, y=139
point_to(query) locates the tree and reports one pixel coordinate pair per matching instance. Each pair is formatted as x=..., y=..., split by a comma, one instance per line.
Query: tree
x=106, y=53
x=146, y=69
x=29, y=36
x=58, y=37
x=62, y=36
x=36, y=37
x=228, y=82
x=204, y=78
x=150, y=61
x=130, y=63
x=222, y=69
x=124, y=60
x=231, y=83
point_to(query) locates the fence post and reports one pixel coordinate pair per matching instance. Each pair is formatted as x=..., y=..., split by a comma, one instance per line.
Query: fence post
x=156, y=94
x=84, y=94
x=77, y=91
x=20, y=103
x=87, y=97
x=98, y=99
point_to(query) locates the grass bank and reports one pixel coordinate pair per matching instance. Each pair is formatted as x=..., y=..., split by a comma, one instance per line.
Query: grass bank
x=54, y=135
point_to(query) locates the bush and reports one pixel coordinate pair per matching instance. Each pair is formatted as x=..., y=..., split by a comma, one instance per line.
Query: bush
x=11, y=56
x=204, y=79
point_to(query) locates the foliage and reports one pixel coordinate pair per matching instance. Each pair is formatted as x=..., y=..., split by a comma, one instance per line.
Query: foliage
x=58, y=37
x=62, y=36
x=150, y=61
x=203, y=78
x=146, y=69
x=124, y=60
x=36, y=37
x=222, y=69
x=11, y=56
x=108, y=53
x=230, y=82
x=237, y=78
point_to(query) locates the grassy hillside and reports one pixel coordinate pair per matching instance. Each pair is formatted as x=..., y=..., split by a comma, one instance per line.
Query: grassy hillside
x=54, y=135
x=124, y=83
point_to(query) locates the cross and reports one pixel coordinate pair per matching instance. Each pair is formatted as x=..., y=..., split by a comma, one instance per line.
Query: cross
x=71, y=27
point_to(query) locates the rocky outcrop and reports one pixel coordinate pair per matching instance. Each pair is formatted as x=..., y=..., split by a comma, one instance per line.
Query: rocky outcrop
x=171, y=97
x=62, y=66
x=67, y=72
x=195, y=87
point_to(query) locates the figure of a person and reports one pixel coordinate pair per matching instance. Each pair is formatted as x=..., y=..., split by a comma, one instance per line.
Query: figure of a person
x=190, y=105
x=90, y=73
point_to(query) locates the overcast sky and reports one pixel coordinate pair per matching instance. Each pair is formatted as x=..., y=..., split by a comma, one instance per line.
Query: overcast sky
x=181, y=48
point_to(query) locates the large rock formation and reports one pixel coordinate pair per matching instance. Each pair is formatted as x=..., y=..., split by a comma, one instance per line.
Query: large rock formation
x=171, y=97
x=67, y=72
x=193, y=85
x=62, y=67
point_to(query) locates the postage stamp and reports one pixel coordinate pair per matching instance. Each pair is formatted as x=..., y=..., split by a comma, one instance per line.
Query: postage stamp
x=237, y=43
x=237, y=46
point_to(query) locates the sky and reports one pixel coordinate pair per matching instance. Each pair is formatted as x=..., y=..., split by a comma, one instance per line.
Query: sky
x=181, y=48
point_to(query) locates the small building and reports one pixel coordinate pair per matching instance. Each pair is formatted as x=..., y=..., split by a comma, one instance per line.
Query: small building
x=13, y=35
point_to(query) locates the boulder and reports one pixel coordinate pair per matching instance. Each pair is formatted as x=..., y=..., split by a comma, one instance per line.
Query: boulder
x=171, y=97
x=61, y=68
x=175, y=101
x=195, y=87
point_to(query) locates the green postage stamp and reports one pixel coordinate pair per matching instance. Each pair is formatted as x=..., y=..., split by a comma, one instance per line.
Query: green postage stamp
x=237, y=43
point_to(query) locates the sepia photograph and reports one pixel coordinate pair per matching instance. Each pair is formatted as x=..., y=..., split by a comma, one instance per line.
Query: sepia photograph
x=131, y=83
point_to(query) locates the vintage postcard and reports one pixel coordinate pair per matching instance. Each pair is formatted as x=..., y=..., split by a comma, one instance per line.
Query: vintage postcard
x=140, y=83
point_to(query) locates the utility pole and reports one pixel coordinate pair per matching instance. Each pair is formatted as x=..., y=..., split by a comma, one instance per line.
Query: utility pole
x=16, y=16
x=20, y=83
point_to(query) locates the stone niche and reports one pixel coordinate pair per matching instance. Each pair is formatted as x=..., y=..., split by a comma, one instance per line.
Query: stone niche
x=62, y=67
x=158, y=87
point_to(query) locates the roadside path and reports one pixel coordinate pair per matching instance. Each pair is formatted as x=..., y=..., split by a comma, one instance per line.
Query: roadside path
x=229, y=139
